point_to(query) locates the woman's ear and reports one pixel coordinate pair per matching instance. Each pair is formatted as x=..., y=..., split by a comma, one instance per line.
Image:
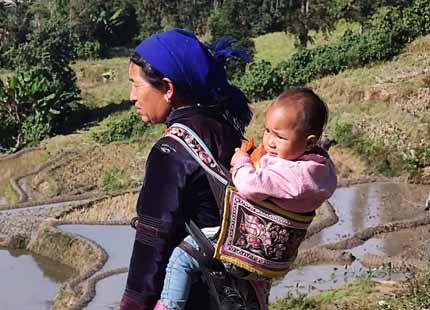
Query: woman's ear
x=168, y=89
x=311, y=141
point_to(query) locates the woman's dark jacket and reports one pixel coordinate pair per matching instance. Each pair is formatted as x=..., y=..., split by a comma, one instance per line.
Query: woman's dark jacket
x=175, y=190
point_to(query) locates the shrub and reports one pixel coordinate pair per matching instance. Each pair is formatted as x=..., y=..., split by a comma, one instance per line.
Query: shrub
x=417, y=18
x=371, y=150
x=390, y=30
x=30, y=104
x=294, y=303
x=36, y=101
x=114, y=180
x=416, y=159
x=261, y=81
x=119, y=127
x=87, y=50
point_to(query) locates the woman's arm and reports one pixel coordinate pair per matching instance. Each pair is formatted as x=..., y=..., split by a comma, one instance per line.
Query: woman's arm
x=161, y=222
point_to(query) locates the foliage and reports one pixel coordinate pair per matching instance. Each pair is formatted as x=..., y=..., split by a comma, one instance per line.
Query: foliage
x=261, y=81
x=304, y=15
x=114, y=180
x=416, y=18
x=360, y=10
x=294, y=303
x=416, y=159
x=391, y=29
x=416, y=297
x=15, y=22
x=30, y=104
x=119, y=127
x=230, y=20
x=37, y=100
x=87, y=50
x=371, y=150
x=116, y=23
x=388, y=35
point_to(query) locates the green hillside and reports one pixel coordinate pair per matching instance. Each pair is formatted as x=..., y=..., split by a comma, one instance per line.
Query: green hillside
x=279, y=46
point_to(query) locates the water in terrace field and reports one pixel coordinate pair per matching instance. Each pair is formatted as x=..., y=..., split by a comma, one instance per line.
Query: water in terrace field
x=29, y=282
x=357, y=207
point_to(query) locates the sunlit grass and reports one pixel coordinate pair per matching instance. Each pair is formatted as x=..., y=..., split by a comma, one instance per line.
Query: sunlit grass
x=103, y=81
x=118, y=208
x=279, y=46
x=353, y=296
x=12, y=168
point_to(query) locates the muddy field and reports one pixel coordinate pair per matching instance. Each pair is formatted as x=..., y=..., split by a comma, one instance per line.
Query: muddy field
x=369, y=223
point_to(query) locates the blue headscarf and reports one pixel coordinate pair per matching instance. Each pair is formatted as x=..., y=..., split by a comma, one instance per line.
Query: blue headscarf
x=199, y=75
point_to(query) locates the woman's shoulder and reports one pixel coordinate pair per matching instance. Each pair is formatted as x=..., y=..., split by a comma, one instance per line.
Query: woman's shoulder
x=170, y=153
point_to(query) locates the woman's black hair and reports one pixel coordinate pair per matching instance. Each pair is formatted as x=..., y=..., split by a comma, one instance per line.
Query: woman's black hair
x=315, y=112
x=225, y=103
x=151, y=75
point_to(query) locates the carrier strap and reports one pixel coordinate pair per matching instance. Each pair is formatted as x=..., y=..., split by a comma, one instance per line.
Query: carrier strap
x=198, y=149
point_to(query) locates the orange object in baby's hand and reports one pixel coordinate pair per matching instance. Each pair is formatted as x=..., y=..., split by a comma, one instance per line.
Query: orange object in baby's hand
x=257, y=153
x=247, y=146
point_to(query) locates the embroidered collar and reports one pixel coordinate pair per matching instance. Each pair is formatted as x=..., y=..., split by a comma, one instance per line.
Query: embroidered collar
x=188, y=112
x=178, y=114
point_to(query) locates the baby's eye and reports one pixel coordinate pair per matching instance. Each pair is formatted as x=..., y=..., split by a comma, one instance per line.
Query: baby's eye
x=266, y=130
x=281, y=137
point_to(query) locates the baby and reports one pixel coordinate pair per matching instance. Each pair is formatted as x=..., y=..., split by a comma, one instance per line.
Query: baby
x=294, y=173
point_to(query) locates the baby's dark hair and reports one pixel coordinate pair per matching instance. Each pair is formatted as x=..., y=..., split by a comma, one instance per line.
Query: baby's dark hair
x=315, y=111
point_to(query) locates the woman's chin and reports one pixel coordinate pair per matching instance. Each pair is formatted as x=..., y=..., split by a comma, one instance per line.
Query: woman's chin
x=144, y=118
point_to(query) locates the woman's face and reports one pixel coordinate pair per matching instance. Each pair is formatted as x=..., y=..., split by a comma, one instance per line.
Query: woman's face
x=150, y=102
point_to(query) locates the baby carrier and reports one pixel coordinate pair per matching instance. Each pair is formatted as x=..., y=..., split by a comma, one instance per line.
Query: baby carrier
x=255, y=238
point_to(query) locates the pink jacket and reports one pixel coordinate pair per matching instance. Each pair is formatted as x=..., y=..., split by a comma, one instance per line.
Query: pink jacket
x=300, y=186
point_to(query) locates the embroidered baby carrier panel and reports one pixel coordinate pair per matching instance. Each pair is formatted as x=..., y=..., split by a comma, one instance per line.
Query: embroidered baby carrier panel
x=257, y=236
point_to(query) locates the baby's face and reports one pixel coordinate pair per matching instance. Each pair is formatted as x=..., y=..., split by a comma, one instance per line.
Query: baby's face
x=281, y=136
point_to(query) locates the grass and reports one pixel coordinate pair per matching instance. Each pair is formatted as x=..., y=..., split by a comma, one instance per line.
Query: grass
x=12, y=168
x=417, y=295
x=279, y=46
x=114, y=180
x=356, y=290
x=356, y=295
x=121, y=207
x=386, y=102
x=65, y=248
x=97, y=90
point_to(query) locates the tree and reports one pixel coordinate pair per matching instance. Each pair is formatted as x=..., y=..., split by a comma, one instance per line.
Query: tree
x=360, y=10
x=116, y=23
x=149, y=14
x=231, y=19
x=188, y=14
x=16, y=22
x=271, y=16
x=305, y=15
x=37, y=100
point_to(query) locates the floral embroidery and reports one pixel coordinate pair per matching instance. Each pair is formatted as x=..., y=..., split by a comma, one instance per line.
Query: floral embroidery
x=264, y=238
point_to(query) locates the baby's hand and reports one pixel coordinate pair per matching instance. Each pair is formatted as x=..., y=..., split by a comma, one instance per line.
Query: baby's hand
x=238, y=153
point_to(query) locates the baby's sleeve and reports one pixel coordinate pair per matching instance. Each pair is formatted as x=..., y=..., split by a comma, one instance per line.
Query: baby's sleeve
x=273, y=179
x=246, y=179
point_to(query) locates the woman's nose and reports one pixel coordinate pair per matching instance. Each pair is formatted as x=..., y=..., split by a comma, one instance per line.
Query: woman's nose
x=133, y=97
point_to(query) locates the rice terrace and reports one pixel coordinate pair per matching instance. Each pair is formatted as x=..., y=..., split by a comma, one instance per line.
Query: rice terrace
x=73, y=148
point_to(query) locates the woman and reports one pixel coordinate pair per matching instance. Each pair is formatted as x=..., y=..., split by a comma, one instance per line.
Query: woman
x=175, y=79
